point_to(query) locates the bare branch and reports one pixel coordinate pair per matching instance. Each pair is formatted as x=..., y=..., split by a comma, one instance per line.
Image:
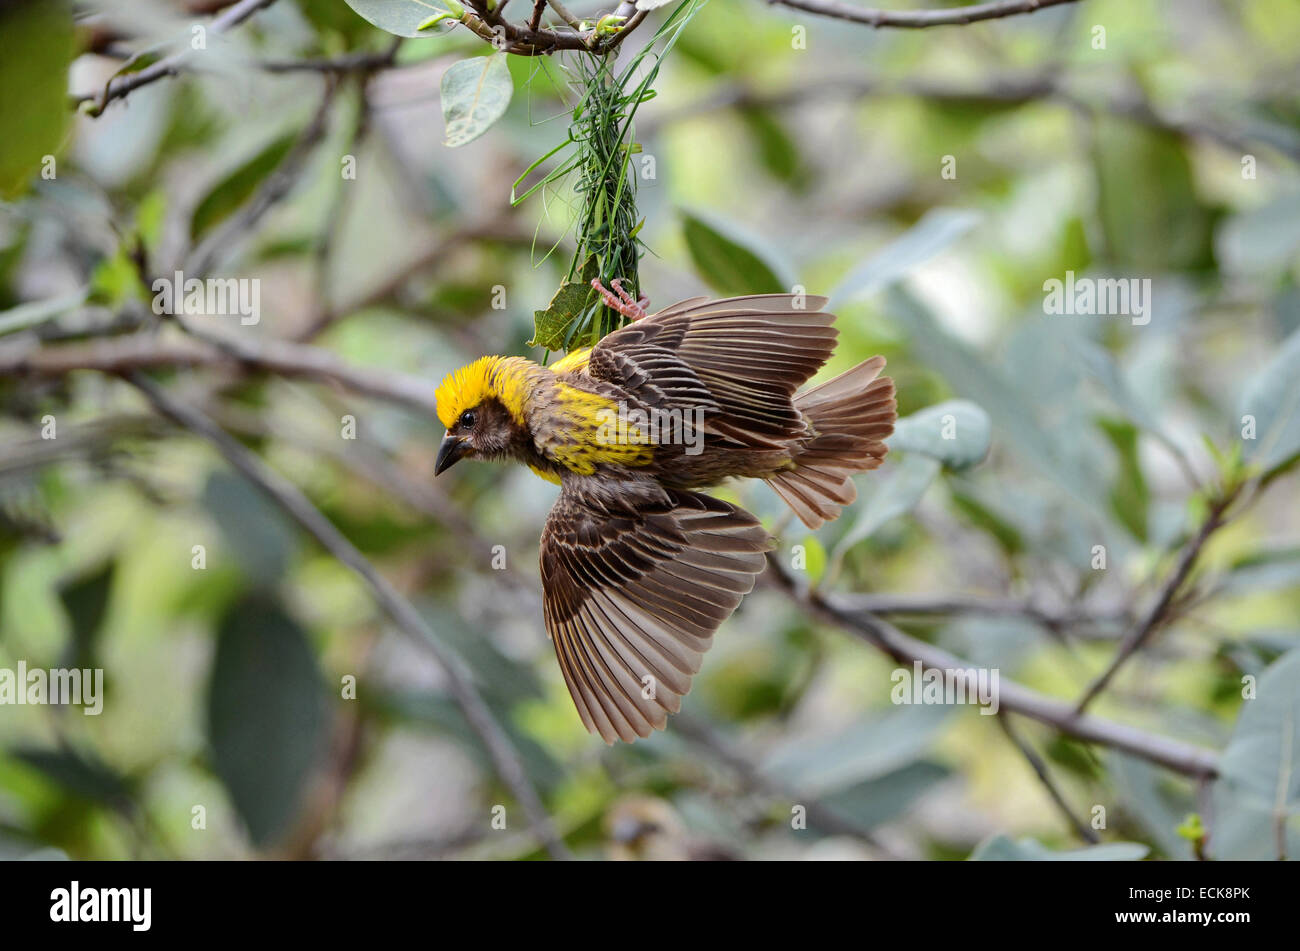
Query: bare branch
x=539, y=7
x=1071, y=620
x=120, y=86
x=145, y=351
x=1160, y=611
x=362, y=62
x=827, y=818
x=276, y=187
x=287, y=496
x=919, y=19
x=563, y=13
x=1040, y=770
x=1000, y=90
x=1173, y=754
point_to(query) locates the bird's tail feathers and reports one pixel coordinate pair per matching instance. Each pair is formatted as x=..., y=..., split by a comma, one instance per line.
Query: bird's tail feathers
x=850, y=417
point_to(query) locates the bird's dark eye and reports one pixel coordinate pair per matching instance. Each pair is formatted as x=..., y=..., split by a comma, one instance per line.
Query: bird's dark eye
x=467, y=418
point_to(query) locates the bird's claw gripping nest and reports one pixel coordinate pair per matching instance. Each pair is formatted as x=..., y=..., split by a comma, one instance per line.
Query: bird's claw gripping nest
x=620, y=300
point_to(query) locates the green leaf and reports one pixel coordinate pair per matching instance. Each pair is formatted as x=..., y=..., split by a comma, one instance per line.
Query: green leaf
x=1264, y=239
x=1002, y=849
x=82, y=775
x=896, y=497
x=1274, y=569
x=970, y=374
x=115, y=280
x=331, y=19
x=867, y=750
x=887, y=797
x=402, y=17
x=1154, y=800
x=555, y=328
x=932, y=234
x=776, y=149
x=1150, y=214
x=726, y=261
x=1272, y=397
x=267, y=715
x=1101, y=366
x=1256, y=798
x=36, y=312
x=1129, y=496
x=36, y=48
x=475, y=94
x=1192, y=828
x=86, y=601
x=956, y=432
x=986, y=519
x=238, y=186
x=259, y=536
x=1262, y=760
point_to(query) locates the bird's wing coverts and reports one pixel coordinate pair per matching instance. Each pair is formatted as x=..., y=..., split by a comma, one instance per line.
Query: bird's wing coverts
x=639, y=591
x=739, y=359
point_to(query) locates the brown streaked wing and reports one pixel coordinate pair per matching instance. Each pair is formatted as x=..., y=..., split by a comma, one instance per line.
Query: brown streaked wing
x=749, y=353
x=641, y=592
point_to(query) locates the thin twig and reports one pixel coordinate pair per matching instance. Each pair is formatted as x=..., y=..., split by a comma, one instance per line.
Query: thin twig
x=1007, y=90
x=290, y=498
x=819, y=814
x=563, y=13
x=363, y=62
x=277, y=186
x=1173, y=754
x=146, y=351
x=919, y=19
x=945, y=604
x=1160, y=611
x=539, y=7
x=120, y=86
x=1040, y=770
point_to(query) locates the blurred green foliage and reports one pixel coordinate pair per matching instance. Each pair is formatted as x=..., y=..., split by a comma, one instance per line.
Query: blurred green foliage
x=229, y=641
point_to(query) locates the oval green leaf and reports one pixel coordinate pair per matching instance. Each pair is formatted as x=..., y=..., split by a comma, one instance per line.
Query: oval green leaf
x=267, y=715
x=956, y=432
x=36, y=48
x=727, y=262
x=401, y=17
x=1272, y=398
x=475, y=94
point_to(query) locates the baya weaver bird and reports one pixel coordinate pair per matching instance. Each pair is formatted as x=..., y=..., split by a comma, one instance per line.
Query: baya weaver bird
x=638, y=568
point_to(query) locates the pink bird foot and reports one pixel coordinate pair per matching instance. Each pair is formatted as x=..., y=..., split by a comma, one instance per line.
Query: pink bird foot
x=623, y=302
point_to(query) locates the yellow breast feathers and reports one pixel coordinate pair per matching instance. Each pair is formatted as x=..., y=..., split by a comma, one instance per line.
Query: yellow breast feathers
x=591, y=430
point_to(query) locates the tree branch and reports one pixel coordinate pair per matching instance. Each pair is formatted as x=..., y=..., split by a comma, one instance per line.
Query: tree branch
x=819, y=814
x=1160, y=611
x=1040, y=770
x=945, y=604
x=1001, y=90
x=145, y=351
x=276, y=187
x=290, y=498
x=1173, y=754
x=362, y=62
x=919, y=19
x=120, y=86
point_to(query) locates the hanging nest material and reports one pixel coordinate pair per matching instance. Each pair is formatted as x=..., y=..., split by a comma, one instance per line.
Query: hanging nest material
x=598, y=169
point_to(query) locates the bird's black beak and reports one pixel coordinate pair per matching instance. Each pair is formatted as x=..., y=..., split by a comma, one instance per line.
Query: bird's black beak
x=449, y=452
